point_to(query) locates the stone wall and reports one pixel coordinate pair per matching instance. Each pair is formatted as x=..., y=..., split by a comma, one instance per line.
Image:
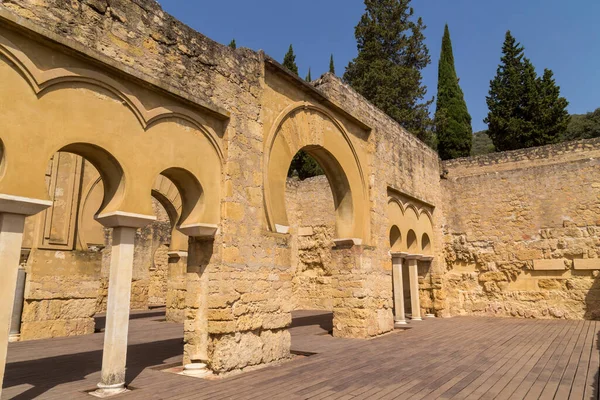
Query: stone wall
x=312, y=221
x=522, y=233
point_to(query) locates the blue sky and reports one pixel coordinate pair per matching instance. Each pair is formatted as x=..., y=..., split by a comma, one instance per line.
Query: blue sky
x=557, y=34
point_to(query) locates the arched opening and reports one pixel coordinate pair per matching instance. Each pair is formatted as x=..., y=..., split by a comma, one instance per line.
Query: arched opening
x=67, y=243
x=311, y=211
x=316, y=134
x=411, y=241
x=191, y=192
x=425, y=244
x=316, y=161
x=395, y=239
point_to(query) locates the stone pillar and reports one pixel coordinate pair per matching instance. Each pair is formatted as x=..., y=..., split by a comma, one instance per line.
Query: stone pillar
x=175, y=301
x=195, y=328
x=11, y=236
x=117, y=312
x=15, y=322
x=413, y=274
x=13, y=210
x=399, y=318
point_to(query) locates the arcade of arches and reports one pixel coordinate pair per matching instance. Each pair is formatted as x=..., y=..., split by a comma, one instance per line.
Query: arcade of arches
x=143, y=164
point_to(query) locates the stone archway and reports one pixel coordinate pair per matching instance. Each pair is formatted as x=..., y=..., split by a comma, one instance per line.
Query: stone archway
x=313, y=129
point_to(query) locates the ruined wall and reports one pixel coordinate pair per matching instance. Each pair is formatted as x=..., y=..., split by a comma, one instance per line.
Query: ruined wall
x=312, y=229
x=522, y=233
x=239, y=285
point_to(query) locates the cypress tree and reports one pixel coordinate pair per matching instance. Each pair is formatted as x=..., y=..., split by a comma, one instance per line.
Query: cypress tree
x=331, y=65
x=289, y=61
x=452, y=119
x=524, y=110
x=391, y=55
x=232, y=44
x=553, y=118
x=308, y=77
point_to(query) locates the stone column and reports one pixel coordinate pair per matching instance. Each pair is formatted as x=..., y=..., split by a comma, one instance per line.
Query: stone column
x=13, y=210
x=175, y=302
x=414, y=288
x=117, y=312
x=11, y=236
x=399, y=318
x=15, y=322
x=114, y=355
x=195, y=329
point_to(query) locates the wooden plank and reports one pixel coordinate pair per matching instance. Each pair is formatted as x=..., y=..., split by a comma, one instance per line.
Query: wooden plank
x=517, y=379
x=576, y=387
x=592, y=385
x=554, y=365
x=565, y=369
x=533, y=375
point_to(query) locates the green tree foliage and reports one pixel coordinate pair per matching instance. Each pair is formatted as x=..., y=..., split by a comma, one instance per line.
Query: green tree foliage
x=583, y=126
x=524, y=110
x=482, y=144
x=304, y=166
x=452, y=119
x=331, y=65
x=308, y=77
x=232, y=44
x=289, y=61
x=391, y=55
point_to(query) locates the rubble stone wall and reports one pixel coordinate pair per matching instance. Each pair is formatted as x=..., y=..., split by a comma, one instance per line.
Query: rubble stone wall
x=522, y=233
x=312, y=225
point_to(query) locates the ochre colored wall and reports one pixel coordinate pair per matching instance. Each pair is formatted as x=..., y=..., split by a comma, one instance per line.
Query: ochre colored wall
x=522, y=233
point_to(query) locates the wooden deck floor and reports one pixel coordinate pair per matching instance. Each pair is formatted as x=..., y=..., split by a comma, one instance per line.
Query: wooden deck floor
x=438, y=358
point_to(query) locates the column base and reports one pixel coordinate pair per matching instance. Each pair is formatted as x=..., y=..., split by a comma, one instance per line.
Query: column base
x=400, y=322
x=416, y=319
x=197, y=370
x=104, y=391
x=429, y=315
x=14, y=337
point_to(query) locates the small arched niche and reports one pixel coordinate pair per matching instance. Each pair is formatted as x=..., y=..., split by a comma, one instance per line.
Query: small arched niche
x=395, y=239
x=425, y=244
x=411, y=241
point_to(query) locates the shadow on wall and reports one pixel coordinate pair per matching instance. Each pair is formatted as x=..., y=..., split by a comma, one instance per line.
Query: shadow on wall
x=47, y=373
x=313, y=318
x=592, y=300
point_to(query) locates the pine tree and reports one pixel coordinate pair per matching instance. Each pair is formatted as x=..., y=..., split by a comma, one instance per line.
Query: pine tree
x=452, y=119
x=391, y=55
x=308, y=77
x=232, y=44
x=524, y=110
x=289, y=61
x=331, y=65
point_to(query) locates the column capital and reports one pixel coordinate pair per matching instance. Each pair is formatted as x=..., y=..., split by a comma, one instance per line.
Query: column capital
x=177, y=254
x=199, y=230
x=22, y=205
x=125, y=219
x=347, y=242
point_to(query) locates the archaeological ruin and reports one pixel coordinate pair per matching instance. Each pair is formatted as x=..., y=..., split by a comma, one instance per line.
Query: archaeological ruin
x=143, y=164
